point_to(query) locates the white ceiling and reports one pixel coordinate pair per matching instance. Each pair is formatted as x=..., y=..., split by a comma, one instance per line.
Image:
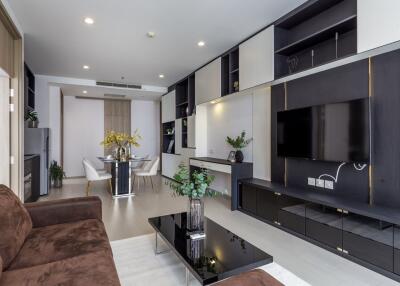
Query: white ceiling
x=58, y=43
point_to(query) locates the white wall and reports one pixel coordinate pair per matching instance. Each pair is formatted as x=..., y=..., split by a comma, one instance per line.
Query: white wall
x=229, y=118
x=83, y=132
x=42, y=100
x=145, y=117
x=55, y=123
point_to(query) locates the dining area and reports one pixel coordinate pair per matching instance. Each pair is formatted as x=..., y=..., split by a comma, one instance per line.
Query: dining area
x=123, y=170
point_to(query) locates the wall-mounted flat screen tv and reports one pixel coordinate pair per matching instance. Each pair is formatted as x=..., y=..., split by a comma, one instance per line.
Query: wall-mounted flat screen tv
x=336, y=132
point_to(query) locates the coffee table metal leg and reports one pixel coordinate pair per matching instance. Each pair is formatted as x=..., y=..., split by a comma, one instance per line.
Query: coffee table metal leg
x=187, y=277
x=157, y=252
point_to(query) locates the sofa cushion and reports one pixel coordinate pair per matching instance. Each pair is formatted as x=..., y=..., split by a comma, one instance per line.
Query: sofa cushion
x=15, y=225
x=256, y=277
x=61, y=241
x=96, y=268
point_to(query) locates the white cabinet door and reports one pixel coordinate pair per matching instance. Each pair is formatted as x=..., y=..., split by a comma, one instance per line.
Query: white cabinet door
x=256, y=59
x=168, y=107
x=378, y=23
x=191, y=143
x=178, y=136
x=208, y=82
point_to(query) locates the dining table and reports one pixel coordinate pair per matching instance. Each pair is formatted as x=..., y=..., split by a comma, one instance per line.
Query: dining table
x=121, y=172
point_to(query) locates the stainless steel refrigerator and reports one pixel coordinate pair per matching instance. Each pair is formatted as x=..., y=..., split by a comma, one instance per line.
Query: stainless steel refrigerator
x=37, y=142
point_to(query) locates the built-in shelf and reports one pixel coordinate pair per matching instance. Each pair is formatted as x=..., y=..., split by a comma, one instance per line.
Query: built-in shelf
x=230, y=72
x=168, y=137
x=340, y=28
x=316, y=33
x=184, y=97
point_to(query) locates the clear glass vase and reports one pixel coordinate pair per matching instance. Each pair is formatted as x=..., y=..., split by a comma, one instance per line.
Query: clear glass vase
x=195, y=218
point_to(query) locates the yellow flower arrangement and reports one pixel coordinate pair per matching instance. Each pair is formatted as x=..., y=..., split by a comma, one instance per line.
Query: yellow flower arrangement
x=121, y=139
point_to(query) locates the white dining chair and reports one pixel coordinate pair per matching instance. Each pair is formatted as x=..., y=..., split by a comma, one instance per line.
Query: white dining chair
x=149, y=170
x=93, y=175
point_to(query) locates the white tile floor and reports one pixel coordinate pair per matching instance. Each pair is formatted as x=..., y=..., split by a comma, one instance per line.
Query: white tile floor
x=127, y=217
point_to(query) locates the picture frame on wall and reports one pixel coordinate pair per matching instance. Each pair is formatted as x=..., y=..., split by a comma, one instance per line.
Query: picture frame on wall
x=231, y=156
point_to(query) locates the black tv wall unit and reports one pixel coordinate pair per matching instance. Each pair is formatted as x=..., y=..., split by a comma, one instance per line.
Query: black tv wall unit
x=314, y=34
x=366, y=234
x=230, y=72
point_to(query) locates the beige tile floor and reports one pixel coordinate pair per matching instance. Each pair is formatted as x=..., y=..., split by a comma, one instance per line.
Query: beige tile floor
x=127, y=217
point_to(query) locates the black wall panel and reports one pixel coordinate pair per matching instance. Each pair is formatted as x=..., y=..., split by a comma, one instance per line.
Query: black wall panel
x=386, y=129
x=277, y=104
x=336, y=85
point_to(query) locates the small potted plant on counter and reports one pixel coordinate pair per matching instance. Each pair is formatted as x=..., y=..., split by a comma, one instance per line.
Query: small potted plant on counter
x=195, y=186
x=56, y=174
x=238, y=144
x=32, y=118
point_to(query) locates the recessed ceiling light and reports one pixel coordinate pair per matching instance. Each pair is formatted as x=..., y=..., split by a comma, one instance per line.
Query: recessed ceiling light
x=89, y=21
x=201, y=44
x=151, y=35
x=86, y=67
x=161, y=76
x=84, y=92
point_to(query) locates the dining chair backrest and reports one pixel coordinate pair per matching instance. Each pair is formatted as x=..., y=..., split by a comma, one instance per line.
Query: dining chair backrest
x=90, y=171
x=143, y=164
x=154, y=166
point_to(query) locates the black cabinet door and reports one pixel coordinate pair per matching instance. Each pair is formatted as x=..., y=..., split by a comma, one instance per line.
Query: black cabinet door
x=368, y=239
x=267, y=205
x=248, y=198
x=291, y=213
x=397, y=250
x=324, y=224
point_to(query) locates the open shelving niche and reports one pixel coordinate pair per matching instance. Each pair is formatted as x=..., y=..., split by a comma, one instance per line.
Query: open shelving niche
x=168, y=136
x=315, y=34
x=185, y=104
x=230, y=72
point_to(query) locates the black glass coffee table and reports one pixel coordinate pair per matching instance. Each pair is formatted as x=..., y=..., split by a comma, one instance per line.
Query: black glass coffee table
x=219, y=255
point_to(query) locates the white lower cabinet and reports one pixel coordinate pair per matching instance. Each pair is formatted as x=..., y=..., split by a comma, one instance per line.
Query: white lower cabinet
x=171, y=162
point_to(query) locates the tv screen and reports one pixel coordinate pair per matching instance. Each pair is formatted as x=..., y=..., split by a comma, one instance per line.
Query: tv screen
x=336, y=132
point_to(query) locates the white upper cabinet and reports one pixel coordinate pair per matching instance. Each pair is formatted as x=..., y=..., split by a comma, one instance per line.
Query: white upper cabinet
x=191, y=140
x=256, y=59
x=378, y=23
x=208, y=82
x=168, y=107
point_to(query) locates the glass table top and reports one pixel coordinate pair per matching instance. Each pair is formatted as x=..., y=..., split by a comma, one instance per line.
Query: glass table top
x=219, y=255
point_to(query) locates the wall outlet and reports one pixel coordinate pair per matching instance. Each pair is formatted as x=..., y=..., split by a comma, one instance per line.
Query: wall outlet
x=320, y=183
x=329, y=184
x=311, y=181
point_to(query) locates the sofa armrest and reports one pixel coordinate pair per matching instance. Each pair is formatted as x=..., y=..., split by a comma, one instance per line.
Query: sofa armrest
x=64, y=211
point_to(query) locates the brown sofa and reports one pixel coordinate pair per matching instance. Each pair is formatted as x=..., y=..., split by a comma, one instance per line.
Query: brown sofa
x=61, y=242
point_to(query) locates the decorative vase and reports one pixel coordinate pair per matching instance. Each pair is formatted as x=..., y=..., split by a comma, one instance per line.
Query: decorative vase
x=33, y=124
x=195, y=219
x=57, y=183
x=121, y=154
x=239, y=156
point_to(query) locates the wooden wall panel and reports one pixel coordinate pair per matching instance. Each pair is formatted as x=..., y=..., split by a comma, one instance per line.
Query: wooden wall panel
x=385, y=168
x=6, y=50
x=117, y=117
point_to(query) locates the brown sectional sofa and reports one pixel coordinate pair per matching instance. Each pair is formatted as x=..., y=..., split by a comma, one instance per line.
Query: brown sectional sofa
x=60, y=242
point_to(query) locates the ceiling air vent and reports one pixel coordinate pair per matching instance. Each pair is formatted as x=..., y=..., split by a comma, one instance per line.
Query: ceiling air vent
x=114, y=95
x=119, y=85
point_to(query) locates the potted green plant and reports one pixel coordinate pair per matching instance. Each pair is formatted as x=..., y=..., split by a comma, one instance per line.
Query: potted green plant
x=238, y=144
x=56, y=174
x=195, y=186
x=32, y=118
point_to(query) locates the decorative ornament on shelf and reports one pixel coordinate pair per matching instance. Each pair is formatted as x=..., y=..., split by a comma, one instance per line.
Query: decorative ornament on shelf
x=195, y=186
x=32, y=118
x=236, y=86
x=238, y=144
x=122, y=143
x=292, y=62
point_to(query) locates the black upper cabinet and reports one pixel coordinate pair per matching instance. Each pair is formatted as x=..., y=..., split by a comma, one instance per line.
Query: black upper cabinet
x=316, y=33
x=230, y=72
x=185, y=97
